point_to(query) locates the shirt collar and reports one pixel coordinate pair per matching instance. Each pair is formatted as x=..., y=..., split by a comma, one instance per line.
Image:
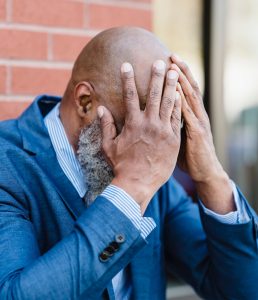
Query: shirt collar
x=64, y=151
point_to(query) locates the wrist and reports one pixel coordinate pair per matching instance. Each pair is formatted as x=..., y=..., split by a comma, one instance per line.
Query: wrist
x=216, y=175
x=216, y=193
x=141, y=193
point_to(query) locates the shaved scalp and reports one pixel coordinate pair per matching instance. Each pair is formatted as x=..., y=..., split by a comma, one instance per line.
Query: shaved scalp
x=100, y=61
x=99, y=64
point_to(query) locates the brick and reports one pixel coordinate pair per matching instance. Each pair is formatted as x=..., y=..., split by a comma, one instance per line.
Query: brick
x=23, y=44
x=2, y=79
x=68, y=47
x=59, y=13
x=33, y=81
x=2, y=10
x=105, y=16
x=11, y=109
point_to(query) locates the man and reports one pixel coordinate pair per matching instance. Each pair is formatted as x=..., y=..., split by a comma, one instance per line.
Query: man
x=73, y=226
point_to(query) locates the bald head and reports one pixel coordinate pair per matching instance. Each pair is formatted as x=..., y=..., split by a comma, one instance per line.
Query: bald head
x=96, y=80
x=99, y=64
x=100, y=61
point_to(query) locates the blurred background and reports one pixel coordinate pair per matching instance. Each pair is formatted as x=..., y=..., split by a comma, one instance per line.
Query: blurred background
x=218, y=39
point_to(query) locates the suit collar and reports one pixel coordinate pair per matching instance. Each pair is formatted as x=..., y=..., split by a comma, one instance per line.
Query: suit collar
x=34, y=134
x=36, y=141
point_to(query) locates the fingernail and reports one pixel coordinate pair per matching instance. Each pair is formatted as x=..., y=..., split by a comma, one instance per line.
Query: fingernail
x=100, y=111
x=177, y=96
x=126, y=67
x=159, y=65
x=178, y=58
x=172, y=74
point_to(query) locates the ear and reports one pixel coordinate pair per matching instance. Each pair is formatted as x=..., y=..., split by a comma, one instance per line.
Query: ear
x=84, y=95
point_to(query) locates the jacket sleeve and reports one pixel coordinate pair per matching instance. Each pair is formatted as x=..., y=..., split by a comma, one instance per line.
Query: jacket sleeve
x=219, y=260
x=70, y=269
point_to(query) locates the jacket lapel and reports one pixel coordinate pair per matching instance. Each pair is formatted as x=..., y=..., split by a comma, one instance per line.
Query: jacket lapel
x=63, y=186
x=37, y=142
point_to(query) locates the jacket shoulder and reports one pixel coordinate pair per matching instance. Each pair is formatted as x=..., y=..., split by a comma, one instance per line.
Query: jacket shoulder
x=10, y=136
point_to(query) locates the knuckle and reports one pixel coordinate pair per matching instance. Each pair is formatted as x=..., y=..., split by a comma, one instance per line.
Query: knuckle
x=153, y=126
x=177, y=117
x=163, y=113
x=164, y=132
x=129, y=92
x=167, y=101
x=184, y=66
x=194, y=95
x=158, y=74
x=195, y=85
x=202, y=128
x=205, y=124
x=105, y=123
x=188, y=109
x=131, y=123
x=155, y=93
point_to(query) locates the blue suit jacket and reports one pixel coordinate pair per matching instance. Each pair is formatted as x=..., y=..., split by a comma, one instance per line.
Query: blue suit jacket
x=50, y=243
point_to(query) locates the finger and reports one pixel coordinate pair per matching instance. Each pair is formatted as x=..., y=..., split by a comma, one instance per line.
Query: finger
x=156, y=88
x=188, y=115
x=169, y=94
x=176, y=115
x=186, y=70
x=108, y=127
x=191, y=96
x=130, y=94
x=185, y=84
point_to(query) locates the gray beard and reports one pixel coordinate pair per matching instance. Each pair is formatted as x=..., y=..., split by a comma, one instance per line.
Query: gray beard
x=97, y=172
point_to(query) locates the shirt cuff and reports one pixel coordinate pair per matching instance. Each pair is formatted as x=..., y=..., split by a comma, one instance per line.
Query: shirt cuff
x=239, y=216
x=130, y=208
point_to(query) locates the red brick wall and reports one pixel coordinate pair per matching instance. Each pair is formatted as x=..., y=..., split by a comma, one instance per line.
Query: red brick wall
x=39, y=40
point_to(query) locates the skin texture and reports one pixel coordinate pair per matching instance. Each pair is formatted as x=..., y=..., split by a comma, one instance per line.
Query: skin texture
x=140, y=116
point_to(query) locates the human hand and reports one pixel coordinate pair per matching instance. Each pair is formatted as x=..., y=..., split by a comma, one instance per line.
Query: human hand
x=197, y=153
x=143, y=156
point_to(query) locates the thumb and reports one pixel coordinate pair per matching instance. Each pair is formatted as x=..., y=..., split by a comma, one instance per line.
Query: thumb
x=107, y=124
